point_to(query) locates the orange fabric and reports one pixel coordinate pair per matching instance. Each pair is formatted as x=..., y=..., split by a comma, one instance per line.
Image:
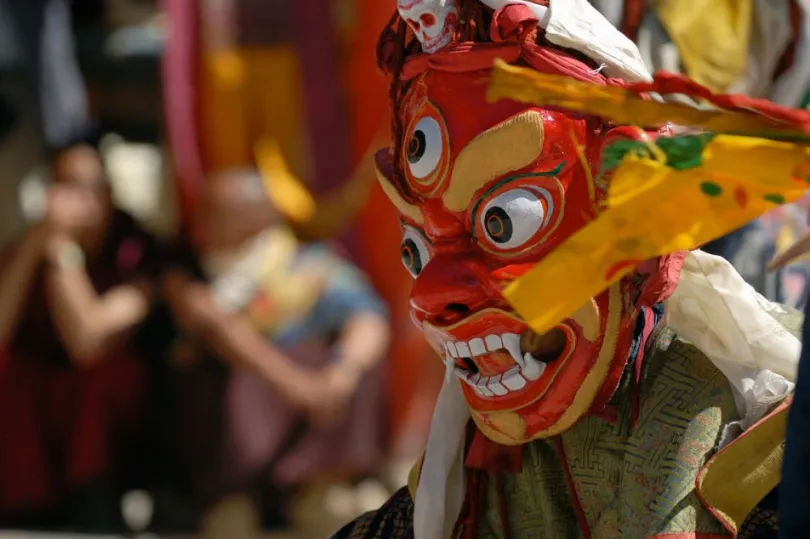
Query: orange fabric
x=247, y=95
x=378, y=227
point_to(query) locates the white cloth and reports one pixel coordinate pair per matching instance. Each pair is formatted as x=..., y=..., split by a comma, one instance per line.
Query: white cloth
x=723, y=316
x=712, y=307
x=577, y=25
x=440, y=492
x=234, y=274
x=237, y=274
x=717, y=311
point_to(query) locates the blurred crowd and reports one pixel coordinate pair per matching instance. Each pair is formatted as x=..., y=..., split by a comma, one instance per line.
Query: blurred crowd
x=237, y=360
x=174, y=372
x=238, y=355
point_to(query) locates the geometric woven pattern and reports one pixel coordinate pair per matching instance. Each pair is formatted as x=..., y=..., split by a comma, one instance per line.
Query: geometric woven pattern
x=631, y=481
x=638, y=482
x=394, y=520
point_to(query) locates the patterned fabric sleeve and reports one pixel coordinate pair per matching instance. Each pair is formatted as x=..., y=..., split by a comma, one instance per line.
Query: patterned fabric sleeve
x=394, y=520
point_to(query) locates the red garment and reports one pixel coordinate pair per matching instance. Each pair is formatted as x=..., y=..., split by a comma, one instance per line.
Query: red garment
x=60, y=427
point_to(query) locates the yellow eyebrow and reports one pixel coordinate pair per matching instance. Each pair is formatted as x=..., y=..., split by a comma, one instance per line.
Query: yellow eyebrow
x=509, y=146
x=408, y=210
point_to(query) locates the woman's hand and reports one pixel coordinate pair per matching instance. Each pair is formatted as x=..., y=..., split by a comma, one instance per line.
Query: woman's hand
x=70, y=210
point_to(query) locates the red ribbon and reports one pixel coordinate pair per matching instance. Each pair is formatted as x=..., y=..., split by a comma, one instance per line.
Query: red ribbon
x=666, y=83
x=484, y=454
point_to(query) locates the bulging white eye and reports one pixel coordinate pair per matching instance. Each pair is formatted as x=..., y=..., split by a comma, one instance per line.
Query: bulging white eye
x=414, y=251
x=512, y=218
x=424, y=147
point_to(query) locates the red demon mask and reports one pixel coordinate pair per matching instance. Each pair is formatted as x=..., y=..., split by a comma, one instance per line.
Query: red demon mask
x=485, y=191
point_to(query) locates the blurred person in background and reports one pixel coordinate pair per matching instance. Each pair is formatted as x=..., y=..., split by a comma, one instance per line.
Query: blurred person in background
x=75, y=288
x=42, y=94
x=237, y=73
x=301, y=337
x=42, y=46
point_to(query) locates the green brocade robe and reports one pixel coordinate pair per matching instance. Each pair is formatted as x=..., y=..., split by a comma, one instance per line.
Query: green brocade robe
x=661, y=476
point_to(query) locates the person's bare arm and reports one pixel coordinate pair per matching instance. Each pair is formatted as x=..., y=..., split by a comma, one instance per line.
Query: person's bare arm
x=231, y=337
x=363, y=342
x=17, y=274
x=87, y=323
x=361, y=346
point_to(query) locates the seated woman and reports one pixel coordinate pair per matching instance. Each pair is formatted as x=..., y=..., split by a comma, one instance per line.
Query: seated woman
x=75, y=287
x=300, y=335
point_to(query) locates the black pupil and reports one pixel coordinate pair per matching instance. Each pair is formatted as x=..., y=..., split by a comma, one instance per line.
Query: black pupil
x=416, y=147
x=498, y=225
x=410, y=256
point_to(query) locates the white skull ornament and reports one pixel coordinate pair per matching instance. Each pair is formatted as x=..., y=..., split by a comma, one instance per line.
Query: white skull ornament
x=432, y=21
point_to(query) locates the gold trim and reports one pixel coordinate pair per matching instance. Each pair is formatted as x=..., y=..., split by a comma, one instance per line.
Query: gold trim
x=413, y=476
x=596, y=377
x=740, y=475
x=508, y=428
x=408, y=210
x=588, y=318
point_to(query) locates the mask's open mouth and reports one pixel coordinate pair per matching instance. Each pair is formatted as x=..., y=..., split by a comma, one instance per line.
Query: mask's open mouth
x=496, y=365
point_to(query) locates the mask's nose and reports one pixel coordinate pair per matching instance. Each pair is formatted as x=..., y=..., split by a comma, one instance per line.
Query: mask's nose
x=450, y=288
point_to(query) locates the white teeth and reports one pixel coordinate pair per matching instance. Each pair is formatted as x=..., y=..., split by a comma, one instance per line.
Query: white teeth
x=494, y=343
x=477, y=347
x=494, y=384
x=527, y=368
x=513, y=380
x=481, y=386
x=498, y=385
x=512, y=344
x=532, y=368
x=464, y=375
